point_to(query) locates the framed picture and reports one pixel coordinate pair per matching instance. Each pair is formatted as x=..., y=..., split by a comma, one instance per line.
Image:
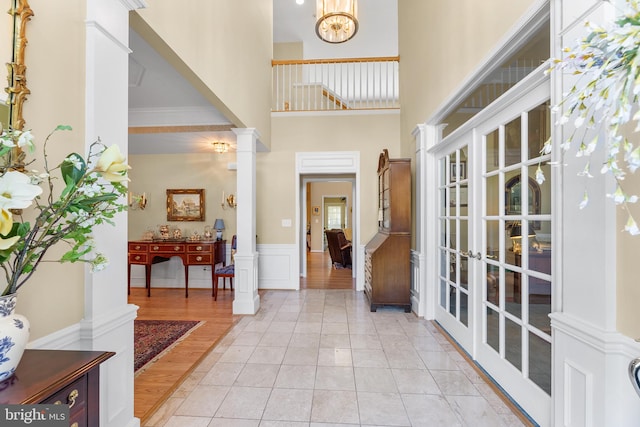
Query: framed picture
x=454, y=171
x=315, y=210
x=185, y=205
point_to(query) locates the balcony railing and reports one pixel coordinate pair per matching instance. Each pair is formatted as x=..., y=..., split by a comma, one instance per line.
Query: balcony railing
x=335, y=84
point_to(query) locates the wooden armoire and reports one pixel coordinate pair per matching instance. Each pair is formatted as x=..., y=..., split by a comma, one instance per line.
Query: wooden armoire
x=387, y=255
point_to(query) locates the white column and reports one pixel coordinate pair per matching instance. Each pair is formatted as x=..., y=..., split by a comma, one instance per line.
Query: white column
x=419, y=134
x=107, y=323
x=247, y=300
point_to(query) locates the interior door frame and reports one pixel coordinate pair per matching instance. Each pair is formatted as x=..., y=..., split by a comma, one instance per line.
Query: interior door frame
x=327, y=166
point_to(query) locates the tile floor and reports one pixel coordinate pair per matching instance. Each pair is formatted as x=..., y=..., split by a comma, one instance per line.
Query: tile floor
x=321, y=358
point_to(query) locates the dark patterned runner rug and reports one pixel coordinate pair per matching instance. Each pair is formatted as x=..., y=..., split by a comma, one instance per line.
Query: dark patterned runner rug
x=152, y=338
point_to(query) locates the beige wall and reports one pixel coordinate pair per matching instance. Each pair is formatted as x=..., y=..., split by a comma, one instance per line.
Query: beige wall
x=276, y=174
x=440, y=45
x=627, y=250
x=227, y=49
x=53, y=298
x=154, y=174
x=284, y=51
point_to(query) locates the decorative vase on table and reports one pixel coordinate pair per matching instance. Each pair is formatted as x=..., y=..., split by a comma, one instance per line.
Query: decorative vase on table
x=14, y=335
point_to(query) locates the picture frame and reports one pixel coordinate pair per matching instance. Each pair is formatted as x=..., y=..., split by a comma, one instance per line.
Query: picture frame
x=185, y=205
x=453, y=171
x=315, y=210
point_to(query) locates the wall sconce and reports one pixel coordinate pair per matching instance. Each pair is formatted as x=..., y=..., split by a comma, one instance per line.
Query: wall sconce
x=137, y=201
x=220, y=147
x=229, y=200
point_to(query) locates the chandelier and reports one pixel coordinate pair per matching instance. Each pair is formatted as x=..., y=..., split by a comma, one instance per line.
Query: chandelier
x=337, y=20
x=220, y=147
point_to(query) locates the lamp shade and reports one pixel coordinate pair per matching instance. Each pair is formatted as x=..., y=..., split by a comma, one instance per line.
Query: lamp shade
x=516, y=231
x=219, y=224
x=337, y=20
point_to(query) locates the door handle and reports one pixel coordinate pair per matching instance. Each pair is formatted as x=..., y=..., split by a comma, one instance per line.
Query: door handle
x=470, y=254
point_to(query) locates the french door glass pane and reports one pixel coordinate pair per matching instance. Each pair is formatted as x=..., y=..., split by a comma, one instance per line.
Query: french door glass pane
x=493, y=329
x=492, y=196
x=539, y=129
x=513, y=142
x=491, y=151
x=540, y=362
x=513, y=343
x=464, y=309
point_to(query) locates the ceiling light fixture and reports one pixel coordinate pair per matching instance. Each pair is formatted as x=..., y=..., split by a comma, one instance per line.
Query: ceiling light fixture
x=220, y=147
x=337, y=20
x=299, y=1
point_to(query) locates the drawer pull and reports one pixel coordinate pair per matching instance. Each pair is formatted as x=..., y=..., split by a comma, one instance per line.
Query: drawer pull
x=198, y=248
x=137, y=247
x=176, y=248
x=138, y=258
x=198, y=258
x=155, y=248
x=72, y=398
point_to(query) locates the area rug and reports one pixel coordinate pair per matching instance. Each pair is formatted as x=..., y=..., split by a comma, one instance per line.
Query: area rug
x=153, y=338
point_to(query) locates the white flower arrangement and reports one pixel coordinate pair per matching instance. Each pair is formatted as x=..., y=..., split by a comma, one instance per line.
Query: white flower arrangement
x=92, y=195
x=604, y=98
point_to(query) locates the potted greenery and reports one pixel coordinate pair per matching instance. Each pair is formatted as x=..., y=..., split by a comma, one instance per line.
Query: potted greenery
x=91, y=193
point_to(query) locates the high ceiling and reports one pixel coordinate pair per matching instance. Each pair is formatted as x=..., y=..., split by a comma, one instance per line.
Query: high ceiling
x=160, y=98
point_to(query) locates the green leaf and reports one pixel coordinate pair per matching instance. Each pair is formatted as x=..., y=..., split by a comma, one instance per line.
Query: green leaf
x=72, y=172
x=63, y=127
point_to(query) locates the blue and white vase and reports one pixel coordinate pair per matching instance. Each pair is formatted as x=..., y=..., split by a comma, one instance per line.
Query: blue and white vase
x=14, y=335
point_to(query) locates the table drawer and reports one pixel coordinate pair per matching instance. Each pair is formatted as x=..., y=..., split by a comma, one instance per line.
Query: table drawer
x=137, y=258
x=75, y=395
x=195, y=259
x=138, y=247
x=166, y=247
x=200, y=248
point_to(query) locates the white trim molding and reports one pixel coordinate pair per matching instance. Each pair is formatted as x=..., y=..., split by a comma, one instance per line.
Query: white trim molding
x=278, y=267
x=590, y=382
x=345, y=163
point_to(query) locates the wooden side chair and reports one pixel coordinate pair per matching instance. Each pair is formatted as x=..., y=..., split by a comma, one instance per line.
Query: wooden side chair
x=226, y=271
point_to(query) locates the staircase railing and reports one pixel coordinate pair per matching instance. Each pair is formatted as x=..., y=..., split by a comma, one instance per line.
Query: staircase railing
x=335, y=84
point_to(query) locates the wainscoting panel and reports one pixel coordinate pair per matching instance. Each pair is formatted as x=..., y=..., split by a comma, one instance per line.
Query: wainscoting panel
x=277, y=268
x=591, y=386
x=416, y=284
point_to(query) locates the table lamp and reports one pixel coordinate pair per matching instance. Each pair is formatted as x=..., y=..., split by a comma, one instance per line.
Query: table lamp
x=219, y=226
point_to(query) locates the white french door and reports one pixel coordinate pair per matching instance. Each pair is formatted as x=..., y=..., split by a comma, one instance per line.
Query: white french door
x=494, y=288
x=455, y=289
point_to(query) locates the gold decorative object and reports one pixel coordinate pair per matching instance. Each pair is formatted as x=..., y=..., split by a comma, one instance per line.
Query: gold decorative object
x=231, y=201
x=337, y=20
x=137, y=201
x=16, y=76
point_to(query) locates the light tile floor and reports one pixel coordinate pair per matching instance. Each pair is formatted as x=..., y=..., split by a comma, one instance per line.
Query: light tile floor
x=321, y=358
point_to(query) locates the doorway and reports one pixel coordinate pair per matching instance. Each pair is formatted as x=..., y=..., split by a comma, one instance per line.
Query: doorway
x=329, y=205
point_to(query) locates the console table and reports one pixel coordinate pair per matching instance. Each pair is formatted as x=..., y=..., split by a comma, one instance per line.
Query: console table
x=205, y=252
x=59, y=376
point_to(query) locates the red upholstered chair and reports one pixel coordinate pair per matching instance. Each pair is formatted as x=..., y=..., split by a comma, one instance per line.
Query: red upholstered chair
x=226, y=271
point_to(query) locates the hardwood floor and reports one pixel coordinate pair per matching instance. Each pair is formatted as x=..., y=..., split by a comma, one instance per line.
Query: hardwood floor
x=153, y=386
x=320, y=274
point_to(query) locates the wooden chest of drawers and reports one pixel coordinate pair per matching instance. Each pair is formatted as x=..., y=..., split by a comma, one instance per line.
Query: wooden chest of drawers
x=191, y=253
x=59, y=376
